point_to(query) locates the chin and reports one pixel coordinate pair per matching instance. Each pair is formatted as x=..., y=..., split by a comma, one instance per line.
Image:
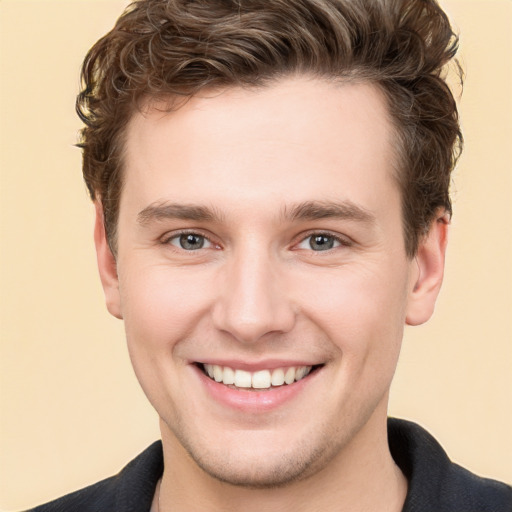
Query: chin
x=244, y=465
x=262, y=475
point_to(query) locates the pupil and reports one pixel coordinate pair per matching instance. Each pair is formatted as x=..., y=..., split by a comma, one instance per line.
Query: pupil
x=191, y=241
x=321, y=242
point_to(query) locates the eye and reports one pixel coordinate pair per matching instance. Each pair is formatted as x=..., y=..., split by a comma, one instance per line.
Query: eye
x=321, y=242
x=190, y=241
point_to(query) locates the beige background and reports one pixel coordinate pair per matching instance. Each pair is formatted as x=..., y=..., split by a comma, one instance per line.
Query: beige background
x=71, y=410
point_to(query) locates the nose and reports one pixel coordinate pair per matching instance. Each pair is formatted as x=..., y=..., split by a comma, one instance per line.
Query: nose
x=252, y=299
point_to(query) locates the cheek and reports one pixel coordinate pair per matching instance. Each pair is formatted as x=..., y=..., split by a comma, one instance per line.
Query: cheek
x=361, y=309
x=161, y=309
x=161, y=305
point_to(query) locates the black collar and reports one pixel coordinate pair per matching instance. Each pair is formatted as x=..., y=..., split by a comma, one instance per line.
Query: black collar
x=435, y=483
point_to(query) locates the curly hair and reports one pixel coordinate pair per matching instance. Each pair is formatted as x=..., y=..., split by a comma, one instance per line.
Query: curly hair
x=174, y=48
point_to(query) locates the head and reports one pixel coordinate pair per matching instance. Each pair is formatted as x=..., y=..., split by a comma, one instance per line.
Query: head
x=172, y=50
x=271, y=181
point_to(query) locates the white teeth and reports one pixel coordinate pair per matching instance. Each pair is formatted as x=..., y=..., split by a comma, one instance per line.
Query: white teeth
x=218, y=373
x=229, y=376
x=242, y=379
x=289, y=376
x=300, y=372
x=209, y=370
x=262, y=379
x=278, y=377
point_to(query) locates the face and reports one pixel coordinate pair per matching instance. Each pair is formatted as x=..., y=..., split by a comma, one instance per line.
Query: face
x=262, y=276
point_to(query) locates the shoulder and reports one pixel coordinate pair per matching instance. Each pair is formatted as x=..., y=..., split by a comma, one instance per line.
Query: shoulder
x=436, y=483
x=483, y=494
x=133, y=487
x=100, y=496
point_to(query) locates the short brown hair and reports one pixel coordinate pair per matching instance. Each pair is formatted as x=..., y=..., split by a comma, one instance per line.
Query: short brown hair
x=164, y=48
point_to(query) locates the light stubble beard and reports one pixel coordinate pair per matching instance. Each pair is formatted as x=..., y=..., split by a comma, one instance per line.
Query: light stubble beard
x=308, y=457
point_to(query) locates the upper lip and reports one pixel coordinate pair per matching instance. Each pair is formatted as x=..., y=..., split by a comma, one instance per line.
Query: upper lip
x=254, y=366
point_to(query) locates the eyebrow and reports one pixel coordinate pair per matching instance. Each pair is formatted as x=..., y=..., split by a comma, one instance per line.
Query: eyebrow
x=314, y=210
x=308, y=210
x=164, y=210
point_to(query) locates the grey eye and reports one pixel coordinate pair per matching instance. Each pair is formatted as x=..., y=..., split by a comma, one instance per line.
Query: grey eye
x=189, y=241
x=321, y=242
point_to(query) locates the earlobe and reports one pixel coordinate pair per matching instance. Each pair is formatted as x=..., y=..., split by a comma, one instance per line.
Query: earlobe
x=107, y=265
x=430, y=260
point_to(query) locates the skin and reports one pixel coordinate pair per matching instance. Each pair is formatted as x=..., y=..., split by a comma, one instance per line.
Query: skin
x=252, y=167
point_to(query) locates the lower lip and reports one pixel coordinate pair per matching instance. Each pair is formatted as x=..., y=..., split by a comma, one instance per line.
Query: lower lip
x=252, y=400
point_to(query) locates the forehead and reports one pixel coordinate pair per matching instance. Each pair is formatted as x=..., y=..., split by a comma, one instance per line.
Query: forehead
x=296, y=140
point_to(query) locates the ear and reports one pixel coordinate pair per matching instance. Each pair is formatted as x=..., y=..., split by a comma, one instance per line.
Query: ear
x=428, y=277
x=106, y=265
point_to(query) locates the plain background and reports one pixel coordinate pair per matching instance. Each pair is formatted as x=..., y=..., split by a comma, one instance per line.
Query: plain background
x=71, y=409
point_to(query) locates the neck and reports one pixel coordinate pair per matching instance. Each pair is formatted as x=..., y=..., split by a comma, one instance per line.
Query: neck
x=363, y=477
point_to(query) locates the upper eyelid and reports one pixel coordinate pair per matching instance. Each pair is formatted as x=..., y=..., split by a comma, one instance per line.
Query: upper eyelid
x=169, y=235
x=344, y=239
x=174, y=247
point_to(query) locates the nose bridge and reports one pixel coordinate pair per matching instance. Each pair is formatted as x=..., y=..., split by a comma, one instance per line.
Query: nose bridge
x=252, y=301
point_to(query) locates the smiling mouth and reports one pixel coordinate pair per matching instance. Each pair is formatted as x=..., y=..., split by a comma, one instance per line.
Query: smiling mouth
x=259, y=380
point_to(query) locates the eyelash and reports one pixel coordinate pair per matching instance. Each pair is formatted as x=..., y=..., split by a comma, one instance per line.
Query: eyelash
x=341, y=240
x=166, y=239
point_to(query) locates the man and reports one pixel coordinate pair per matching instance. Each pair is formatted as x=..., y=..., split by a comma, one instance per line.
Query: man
x=271, y=188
